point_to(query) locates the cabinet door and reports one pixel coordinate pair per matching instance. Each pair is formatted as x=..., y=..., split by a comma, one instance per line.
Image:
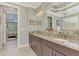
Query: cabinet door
x=46, y=51
x=38, y=48
x=56, y=53
x=35, y=49
x=31, y=41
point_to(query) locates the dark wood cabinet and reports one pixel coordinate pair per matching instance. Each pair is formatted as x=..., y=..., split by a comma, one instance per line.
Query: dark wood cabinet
x=38, y=48
x=56, y=53
x=31, y=42
x=44, y=47
x=46, y=51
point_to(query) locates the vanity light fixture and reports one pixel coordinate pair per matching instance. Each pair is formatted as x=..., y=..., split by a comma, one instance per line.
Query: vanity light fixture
x=40, y=13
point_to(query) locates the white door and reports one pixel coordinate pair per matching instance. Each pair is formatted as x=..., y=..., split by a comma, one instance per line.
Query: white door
x=2, y=27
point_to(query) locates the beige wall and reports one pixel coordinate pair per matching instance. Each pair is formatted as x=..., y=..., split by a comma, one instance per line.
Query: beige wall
x=23, y=24
x=32, y=16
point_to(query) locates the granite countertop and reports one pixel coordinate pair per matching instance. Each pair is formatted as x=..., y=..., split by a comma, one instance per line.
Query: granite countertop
x=65, y=42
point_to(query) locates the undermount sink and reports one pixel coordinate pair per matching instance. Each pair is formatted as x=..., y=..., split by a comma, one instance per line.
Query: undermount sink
x=69, y=43
x=60, y=40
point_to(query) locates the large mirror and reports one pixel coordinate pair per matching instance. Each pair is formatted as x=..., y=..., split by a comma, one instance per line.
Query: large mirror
x=62, y=18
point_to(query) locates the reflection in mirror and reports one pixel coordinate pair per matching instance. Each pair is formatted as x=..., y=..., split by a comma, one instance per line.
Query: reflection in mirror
x=62, y=19
x=49, y=23
x=70, y=25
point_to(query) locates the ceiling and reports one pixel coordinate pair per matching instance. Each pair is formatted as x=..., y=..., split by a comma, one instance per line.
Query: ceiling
x=64, y=9
x=60, y=9
x=29, y=4
x=57, y=5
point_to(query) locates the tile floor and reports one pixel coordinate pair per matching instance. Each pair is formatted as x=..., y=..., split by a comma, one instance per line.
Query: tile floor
x=11, y=50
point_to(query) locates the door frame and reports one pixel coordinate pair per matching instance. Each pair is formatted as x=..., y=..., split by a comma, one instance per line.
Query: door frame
x=18, y=13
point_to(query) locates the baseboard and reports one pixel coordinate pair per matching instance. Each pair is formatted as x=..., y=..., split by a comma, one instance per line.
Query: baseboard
x=25, y=45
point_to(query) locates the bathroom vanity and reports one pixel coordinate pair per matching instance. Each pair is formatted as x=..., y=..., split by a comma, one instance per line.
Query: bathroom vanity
x=51, y=46
x=65, y=42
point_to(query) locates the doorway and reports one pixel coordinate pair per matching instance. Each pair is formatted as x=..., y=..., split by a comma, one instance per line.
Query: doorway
x=10, y=27
x=50, y=28
x=49, y=21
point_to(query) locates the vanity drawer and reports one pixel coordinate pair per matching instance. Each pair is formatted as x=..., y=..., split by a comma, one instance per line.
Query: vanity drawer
x=63, y=49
